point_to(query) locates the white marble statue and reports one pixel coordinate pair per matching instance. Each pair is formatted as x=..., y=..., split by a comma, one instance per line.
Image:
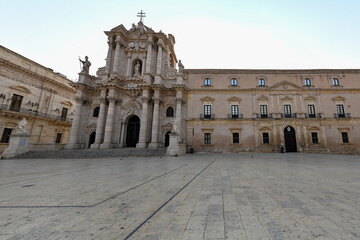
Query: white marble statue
x=21, y=126
x=137, y=69
x=181, y=66
x=86, y=65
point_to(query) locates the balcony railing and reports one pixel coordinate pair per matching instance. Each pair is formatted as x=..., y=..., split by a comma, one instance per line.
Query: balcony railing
x=291, y=115
x=258, y=115
x=210, y=116
x=315, y=115
x=31, y=112
x=236, y=116
x=342, y=115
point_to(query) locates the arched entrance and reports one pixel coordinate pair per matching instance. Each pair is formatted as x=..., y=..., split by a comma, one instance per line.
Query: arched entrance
x=167, y=139
x=133, y=130
x=92, y=138
x=290, y=139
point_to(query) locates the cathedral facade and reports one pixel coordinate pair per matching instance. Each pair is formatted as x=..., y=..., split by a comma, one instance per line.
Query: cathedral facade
x=138, y=97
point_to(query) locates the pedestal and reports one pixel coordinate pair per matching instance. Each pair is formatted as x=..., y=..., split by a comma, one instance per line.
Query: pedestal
x=175, y=147
x=18, y=144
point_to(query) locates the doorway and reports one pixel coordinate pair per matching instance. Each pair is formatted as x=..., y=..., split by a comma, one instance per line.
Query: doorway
x=92, y=138
x=167, y=139
x=133, y=130
x=290, y=139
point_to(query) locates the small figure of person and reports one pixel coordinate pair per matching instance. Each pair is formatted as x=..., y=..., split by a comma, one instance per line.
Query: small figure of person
x=21, y=126
x=86, y=65
x=281, y=147
x=181, y=66
x=137, y=69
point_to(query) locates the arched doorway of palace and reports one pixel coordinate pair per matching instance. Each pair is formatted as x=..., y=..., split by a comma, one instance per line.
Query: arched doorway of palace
x=167, y=139
x=132, y=131
x=290, y=139
x=91, y=138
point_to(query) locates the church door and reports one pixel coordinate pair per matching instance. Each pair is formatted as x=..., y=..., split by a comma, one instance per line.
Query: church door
x=167, y=139
x=290, y=139
x=133, y=130
x=92, y=138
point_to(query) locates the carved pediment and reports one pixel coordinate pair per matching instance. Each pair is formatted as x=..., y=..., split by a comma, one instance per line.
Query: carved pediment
x=265, y=129
x=314, y=128
x=262, y=98
x=310, y=98
x=67, y=103
x=286, y=98
x=285, y=85
x=21, y=89
x=338, y=99
x=207, y=99
x=168, y=125
x=234, y=99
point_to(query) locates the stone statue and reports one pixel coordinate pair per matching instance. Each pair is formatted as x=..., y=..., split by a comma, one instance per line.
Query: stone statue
x=21, y=126
x=175, y=125
x=181, y=66
x=137, y=69
x=86, y=65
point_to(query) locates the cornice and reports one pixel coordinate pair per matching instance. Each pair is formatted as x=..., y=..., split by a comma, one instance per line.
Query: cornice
x=271, y=71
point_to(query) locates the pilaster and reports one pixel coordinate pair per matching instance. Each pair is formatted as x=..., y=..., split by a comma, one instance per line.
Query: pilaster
x=100, y=122
x=109, y=55
x=109, y=124
x=155, y=124
x=117, y=55
x=144, y=119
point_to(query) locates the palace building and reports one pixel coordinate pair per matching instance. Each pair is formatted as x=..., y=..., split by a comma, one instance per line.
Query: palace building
x=137, y=97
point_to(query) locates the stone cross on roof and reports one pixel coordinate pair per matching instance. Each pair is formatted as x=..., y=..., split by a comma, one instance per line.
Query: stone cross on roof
x=141, y=15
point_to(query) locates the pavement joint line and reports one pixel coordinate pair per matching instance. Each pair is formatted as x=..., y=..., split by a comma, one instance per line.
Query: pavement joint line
x=163, y=205
x=98, y=203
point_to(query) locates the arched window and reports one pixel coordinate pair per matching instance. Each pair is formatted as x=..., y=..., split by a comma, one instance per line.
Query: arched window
x=233, y=82
x=169, y=112
x=307, y=82
x=207, y=82
x=261, y=82
x=96, y=112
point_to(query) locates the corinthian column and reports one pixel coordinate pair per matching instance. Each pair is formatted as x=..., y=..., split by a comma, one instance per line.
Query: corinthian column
x=178, y=110
x=109, y=55
x=109, y=124
x=117, y=55
x=155, y=125
x=144, y=119
x=149, y=55
x=100, y=123
x=75, y=124
x=159, y=57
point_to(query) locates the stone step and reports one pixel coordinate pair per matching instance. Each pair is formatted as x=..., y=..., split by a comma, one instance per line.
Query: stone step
x=92, y=153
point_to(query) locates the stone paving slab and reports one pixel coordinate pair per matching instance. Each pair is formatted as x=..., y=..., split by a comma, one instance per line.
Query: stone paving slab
x=198, y=196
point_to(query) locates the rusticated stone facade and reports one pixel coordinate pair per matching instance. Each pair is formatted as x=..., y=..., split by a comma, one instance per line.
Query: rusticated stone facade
x=43, y=97
x=136, y=98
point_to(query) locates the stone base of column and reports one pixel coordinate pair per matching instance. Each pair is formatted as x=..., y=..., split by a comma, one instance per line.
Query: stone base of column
x=106, y=145
x=154, y=145
x=72, y=146
x=141, y=145
x=95, y=145
x=175, y=147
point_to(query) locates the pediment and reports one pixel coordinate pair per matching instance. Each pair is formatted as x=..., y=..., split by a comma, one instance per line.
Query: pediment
x=314, y=129
x=262, y=98
x=168, y=125
x=310, y=98
x=285, y=85
x=286, y=98
x=67, y=103
x=234, y=99
x=338, y=99
x=265, y=129
x=207, y=99
x=21, y=89
x=119, y=28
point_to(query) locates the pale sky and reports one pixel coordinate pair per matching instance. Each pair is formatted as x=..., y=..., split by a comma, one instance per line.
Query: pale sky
x=251, y=34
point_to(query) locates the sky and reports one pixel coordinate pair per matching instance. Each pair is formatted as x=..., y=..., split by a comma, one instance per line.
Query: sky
x=226, y=34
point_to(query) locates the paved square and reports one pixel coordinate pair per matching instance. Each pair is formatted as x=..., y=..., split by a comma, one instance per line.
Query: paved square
x=200, y=196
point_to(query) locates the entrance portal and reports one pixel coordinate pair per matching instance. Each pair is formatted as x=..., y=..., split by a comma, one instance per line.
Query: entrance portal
x=133, y=130
x=92, y=138
x=167, y=139
x=290, y=139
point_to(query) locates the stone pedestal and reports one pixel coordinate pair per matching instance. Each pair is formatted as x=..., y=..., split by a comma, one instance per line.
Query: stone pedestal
x=18, y=144
x=175, y=147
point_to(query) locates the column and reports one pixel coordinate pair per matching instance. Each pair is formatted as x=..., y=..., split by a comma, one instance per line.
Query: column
x=149, y=55
x=144, y=119
x=179, y=96
x=109, y=124
x=307, y=143
x=159, y=57
x=117, y=55
x=75, y=124
x=155, y=124
x=128, y=68
x=100, y=123
x=298, y=139
x=109, y=55
x=122, y=134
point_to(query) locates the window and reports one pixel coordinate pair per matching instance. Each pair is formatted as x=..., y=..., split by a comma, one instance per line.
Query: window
x=233, y=82
x=96, y=112
x=6, y=135
x=314, y=137
x=236, y=138
x=261, y=82
x=340, y=110
x=345, y=138
x=287, y=110
x=234, y=111
x=307, y=82
x=311, y=111
x=64, y=113
x=58, y=138
x=15, y=102
x=169, y=112
x=207, y=82
x=263, y=111
x=335, y=82
x=207, y=111
x=207, y=138
x=266, y=139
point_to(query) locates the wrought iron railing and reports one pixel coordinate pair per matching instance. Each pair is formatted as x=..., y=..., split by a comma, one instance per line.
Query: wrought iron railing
x=269, y=115
x=235, y=116
x=315, y=115
x=291, y=115
x=209, y=116
x=342, y=115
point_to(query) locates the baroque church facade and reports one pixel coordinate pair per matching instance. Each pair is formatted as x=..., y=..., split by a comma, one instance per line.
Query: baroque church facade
x=135, y=100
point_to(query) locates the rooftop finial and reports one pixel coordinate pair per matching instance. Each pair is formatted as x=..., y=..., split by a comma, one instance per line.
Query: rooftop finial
x=141, y=15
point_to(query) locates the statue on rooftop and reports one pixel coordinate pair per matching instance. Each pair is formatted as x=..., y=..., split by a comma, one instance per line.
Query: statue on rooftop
x=181, y=66
x=86, y=65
